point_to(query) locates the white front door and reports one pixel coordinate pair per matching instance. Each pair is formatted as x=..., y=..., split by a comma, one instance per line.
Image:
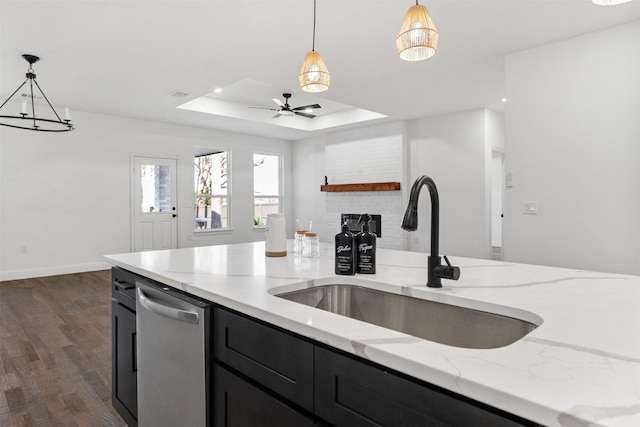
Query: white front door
x=154, y=204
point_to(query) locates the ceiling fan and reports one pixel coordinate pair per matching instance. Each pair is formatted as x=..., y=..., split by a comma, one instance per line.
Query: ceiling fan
x=284, y=109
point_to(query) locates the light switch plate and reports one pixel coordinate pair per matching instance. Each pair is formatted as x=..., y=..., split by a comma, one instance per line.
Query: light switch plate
x=530, y=207
x=509, y=179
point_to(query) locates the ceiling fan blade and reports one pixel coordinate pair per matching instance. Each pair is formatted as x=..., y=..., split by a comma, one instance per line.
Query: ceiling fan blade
x=276, y=116
x=278, y=102
x=314, y=106
x=264, y=108
x=309, y=116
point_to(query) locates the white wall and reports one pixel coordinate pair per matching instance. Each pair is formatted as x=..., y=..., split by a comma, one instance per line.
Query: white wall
x=66, y=197
x=573, y=144
x=308, y=175
x=495, y=130
x=453, y=150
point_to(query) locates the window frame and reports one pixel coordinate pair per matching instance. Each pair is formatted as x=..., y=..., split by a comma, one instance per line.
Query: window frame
x=207, y=151
x=279, y=196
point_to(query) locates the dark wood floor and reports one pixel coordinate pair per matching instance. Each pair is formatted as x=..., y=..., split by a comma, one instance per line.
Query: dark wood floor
x=55, y=351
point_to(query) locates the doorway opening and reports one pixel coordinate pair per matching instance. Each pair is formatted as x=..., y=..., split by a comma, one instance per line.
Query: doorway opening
x=497, y=200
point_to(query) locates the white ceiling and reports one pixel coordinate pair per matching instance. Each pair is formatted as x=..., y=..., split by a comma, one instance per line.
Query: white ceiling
x=125, y=57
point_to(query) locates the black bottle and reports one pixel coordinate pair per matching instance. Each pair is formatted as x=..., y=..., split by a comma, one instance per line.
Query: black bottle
x=366, y=247
x=345, y=251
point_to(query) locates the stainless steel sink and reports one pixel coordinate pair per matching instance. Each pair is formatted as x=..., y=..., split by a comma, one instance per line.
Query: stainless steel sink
x=433, y=321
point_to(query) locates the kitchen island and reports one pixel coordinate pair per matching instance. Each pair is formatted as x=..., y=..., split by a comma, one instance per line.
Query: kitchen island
x=579, y=367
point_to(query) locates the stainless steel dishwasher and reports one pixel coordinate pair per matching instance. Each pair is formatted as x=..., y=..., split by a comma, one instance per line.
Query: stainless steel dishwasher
x=173, y=351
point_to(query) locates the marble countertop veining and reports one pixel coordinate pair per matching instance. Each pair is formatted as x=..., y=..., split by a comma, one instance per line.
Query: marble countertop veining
x=580, y=367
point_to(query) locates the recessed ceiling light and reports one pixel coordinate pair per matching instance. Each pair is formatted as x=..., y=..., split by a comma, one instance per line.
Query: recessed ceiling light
x=504, y=99
x=218, y=90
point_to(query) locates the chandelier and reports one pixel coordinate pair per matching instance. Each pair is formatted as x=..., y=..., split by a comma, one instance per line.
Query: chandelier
x=27, y=119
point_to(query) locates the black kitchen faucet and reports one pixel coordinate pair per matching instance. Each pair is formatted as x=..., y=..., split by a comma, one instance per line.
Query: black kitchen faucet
x=435, y=271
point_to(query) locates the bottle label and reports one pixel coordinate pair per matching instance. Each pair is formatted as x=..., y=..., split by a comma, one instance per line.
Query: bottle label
x=366, y=258
x=341, y=249
x=364, y=248
x=345, y=264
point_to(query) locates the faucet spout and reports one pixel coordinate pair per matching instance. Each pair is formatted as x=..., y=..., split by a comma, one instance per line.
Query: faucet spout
x=410, y=222
x=435, y=270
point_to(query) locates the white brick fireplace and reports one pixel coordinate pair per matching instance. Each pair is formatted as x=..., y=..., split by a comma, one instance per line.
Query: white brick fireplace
x=372, y=154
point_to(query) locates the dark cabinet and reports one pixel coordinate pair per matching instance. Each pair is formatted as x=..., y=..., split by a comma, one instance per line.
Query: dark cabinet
x=350, y=392
x=241, y=403
x=266, y=374
x=123, y=362
x=274, y=358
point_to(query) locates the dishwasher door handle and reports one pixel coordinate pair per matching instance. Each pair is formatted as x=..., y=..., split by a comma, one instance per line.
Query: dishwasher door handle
x=167, y=311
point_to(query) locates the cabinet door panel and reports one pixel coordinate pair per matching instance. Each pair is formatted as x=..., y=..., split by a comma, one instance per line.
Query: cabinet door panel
x=125, y=380
x=240, y=404
x=275, y=359
x=353, y=393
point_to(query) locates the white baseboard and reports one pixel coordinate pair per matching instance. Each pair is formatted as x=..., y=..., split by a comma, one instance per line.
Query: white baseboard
x=53, y=271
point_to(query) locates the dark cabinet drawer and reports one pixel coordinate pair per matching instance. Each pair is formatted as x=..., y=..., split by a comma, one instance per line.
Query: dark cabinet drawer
x=240, y=404
x=279, y=361
x=353, y=393
x=123, y=287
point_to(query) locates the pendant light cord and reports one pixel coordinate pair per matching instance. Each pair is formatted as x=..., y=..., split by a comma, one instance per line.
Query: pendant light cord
x=313, y=43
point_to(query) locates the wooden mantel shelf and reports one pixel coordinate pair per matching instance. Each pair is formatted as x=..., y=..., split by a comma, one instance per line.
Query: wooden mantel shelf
x=370, y=186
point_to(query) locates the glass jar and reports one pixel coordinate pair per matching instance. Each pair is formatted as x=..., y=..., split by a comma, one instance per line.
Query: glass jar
x=297, y=241
x=310, y=245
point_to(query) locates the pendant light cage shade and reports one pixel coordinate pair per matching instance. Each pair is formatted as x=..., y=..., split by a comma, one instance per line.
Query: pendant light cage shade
x=314, y=75
x=609, y=2
x=418, y=37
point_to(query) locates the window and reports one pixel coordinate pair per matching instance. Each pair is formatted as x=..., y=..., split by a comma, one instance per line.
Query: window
x=211, y=177
x=155, y=180
x=266, y=187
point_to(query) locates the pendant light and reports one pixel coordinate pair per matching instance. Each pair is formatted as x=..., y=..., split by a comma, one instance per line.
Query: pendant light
x=314, y=75
x=34, y=122
x=609, y=2
x=418, y=36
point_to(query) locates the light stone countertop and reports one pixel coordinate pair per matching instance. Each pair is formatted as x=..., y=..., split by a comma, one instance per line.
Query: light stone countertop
x=580, y=367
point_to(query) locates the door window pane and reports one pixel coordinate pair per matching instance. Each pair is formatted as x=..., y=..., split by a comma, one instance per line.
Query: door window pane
x=156, y=188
